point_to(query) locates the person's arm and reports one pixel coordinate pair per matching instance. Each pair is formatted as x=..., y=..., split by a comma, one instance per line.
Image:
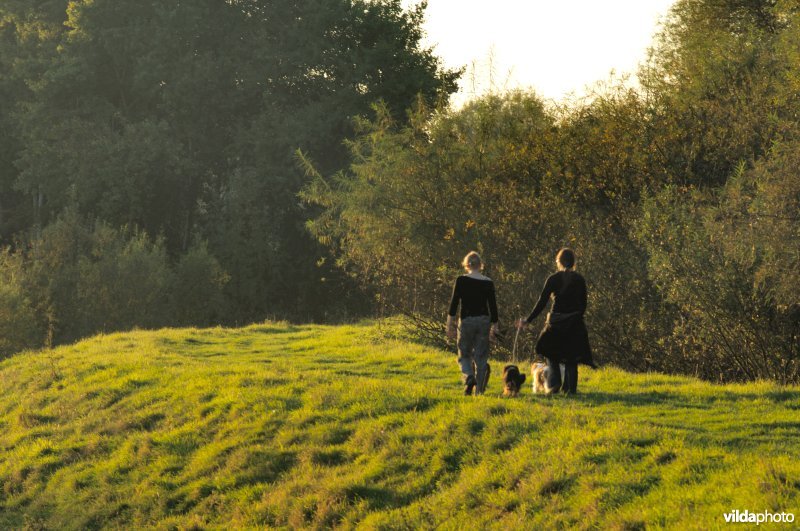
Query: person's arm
x=451, y=314
x=454, y=300
x=493, y=331
x=492, y=303
x=543, y=298
x=583, y=298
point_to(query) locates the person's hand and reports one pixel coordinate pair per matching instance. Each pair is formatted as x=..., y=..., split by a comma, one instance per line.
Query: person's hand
x=451, y=328
x=522, y=324
x=493, y=331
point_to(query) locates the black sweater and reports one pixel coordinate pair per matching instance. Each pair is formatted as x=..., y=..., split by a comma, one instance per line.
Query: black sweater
x=569, y=299
x=476, y=296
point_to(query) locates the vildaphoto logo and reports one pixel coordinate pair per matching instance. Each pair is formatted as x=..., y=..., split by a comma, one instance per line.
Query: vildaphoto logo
x=746, y=517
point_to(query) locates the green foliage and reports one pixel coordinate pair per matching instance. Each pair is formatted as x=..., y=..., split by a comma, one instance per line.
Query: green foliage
x=276, y=425
x=196, y=288
x=767, y=200
x=88, y=277
x=122, y=281
x=715, y=81
x=729, y=261
x=150, y=115
x=79, y=278
x=18, y=325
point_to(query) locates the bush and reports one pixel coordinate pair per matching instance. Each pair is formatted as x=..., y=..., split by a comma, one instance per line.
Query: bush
x=82, y=278
x=89, y=277
x=19, y=327
x=196, y=289
x=710, y=260
x=122, y=282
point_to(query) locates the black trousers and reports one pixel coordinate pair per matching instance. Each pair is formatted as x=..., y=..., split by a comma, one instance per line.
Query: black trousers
x=570, y=384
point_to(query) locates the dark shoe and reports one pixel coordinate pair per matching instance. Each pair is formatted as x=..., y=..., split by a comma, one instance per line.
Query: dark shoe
x=469, y=385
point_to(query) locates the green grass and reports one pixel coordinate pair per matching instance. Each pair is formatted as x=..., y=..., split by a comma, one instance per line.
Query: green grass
x=311, y=426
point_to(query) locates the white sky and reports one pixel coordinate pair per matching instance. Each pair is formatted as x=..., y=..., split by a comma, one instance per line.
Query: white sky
x=555, y=47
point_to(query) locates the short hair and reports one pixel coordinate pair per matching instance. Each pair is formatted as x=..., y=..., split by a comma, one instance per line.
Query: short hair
x=472, y=261
x=566, y=258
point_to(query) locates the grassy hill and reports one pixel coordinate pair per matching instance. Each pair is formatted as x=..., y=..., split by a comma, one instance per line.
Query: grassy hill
x=283, y=426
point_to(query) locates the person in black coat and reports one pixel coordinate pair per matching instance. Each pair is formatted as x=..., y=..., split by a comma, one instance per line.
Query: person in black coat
x=564, y=338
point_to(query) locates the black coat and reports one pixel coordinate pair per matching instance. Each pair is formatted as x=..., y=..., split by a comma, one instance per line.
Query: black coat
x=566, y=341
x=564, y=337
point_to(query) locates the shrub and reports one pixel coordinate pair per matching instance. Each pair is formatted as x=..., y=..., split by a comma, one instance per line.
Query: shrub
x=196, y=288
x=122, y=282
x=19, y=327
x=709, y=258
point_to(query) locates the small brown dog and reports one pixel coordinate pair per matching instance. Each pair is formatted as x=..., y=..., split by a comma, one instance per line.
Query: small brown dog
x=512, y=381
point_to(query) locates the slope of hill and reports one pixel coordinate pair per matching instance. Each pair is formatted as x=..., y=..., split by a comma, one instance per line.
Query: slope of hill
x=310, y=426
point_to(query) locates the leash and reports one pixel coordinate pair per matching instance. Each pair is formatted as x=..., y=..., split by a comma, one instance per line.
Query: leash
x=514, y=352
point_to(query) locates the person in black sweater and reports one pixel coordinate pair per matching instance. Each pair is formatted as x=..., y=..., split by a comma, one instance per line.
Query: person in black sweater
x=477, y=325
x=564, y=338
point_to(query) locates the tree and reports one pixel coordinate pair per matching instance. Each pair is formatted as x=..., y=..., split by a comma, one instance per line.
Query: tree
x=28, y=31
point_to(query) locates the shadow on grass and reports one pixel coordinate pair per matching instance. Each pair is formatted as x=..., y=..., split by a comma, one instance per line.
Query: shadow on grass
x=146, y=423
x=265, y=467
x=557, y=486
x=377, y=498
x=648, y=398
x=198, y=341
x=788, y=398
x=331, y=457
x=775, y=435
x=743, y=433
x=288, y=329
x=793, y=428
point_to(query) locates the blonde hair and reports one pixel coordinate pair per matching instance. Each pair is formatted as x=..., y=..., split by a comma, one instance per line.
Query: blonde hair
x=472, y=261
x=566, y=258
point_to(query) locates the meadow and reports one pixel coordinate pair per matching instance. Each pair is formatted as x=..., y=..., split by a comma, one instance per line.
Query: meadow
x=282, y=426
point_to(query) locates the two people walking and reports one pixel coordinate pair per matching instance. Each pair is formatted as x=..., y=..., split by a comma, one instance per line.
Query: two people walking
x=563, y=340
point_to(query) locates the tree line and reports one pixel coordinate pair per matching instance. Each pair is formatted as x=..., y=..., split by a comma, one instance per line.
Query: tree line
x=681, y=197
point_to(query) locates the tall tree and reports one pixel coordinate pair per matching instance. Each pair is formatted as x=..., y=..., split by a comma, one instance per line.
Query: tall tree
x=29, y=33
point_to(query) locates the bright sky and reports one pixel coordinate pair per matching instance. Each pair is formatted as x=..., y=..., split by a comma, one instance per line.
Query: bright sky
x=555, y=47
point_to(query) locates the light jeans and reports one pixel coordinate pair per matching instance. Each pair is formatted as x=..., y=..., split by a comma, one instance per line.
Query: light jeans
x=473, y=349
